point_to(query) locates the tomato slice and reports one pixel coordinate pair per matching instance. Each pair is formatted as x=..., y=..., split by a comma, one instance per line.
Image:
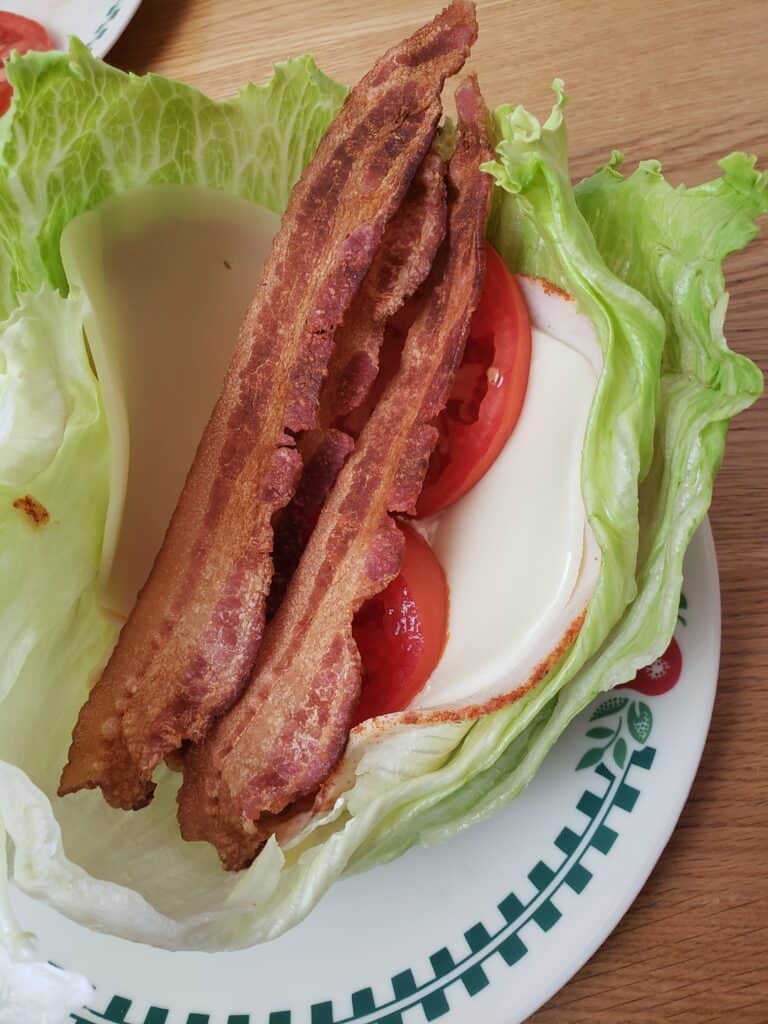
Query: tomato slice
x=401, y=633
x=488, y=392
x=22, y=35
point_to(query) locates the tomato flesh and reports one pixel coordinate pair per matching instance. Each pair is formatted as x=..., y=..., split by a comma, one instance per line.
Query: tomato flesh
x=22, y=35
x=401, y=633
x=488, y=391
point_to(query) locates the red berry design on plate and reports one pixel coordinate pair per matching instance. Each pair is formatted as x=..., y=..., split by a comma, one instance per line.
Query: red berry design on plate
x=661, y=675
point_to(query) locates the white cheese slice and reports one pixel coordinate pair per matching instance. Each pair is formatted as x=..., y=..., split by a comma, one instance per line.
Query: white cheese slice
x=517, y=551
x=168, y=272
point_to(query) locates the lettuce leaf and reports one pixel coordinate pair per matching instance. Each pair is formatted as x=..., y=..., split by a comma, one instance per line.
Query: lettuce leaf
x=673, y=255
x=398, y=778
x=538, y=228
x=80, y=131
x=54, y=458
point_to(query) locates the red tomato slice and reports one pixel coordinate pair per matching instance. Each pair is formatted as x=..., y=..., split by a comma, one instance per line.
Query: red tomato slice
x=402, y=631
x=6, y=92
x=22, y=35
x=488, y=391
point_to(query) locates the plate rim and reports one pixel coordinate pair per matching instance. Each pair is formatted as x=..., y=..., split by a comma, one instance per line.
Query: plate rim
x=111, y=26
x=671, y=813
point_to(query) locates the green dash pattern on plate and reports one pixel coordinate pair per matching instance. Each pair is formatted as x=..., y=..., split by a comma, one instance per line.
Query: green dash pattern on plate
x=103, y=27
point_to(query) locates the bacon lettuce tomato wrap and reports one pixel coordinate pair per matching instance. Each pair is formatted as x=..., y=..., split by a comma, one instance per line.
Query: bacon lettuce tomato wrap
x=642, y=261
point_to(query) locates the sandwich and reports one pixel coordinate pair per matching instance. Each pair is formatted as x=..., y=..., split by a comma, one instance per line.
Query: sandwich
x=292, y=597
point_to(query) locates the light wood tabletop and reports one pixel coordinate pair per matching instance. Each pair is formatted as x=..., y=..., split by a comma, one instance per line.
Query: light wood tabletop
x=684, y=81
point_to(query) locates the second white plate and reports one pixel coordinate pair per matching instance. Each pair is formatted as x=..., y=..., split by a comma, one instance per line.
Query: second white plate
x=99, y=23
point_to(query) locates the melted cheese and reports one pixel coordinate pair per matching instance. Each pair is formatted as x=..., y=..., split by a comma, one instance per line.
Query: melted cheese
x=168, y=272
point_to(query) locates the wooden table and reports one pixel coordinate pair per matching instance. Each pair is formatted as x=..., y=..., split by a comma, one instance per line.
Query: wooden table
x=686, y=82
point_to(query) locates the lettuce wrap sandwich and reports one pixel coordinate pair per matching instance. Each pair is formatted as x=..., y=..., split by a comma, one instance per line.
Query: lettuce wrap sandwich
x=562, y=553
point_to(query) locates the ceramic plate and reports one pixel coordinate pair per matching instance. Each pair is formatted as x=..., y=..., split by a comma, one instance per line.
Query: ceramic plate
x=483, y=928
x=98, y=23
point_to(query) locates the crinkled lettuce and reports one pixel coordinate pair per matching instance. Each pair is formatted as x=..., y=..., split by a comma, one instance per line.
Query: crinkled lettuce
x=673, y=256
x=79, y=131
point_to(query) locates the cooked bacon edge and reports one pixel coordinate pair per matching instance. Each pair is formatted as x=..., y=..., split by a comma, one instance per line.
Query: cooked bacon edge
x=186, y=651
x=399, y=268
x=283, y=738
x=323, y=452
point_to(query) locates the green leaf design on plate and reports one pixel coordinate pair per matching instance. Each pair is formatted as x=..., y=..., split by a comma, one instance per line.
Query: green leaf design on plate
x=640, y=721
x=600, y=733
x=591, y=758
x=609, y=707
x=620, y=752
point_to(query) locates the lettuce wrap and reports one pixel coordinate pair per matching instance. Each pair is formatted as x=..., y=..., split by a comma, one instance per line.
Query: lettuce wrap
x=79, y=132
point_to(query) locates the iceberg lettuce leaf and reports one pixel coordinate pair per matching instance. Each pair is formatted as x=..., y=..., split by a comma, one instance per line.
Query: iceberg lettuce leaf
x=538, y=228
x=53, y=490
x=673, y=255
x=653, y=444
x=80, y=130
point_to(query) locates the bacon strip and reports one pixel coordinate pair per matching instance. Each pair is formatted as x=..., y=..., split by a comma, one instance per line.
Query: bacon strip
x=399, y=268
x=186, y=651
x=290, y=727
x=323, y=452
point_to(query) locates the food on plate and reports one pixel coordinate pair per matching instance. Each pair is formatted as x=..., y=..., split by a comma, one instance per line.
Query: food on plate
x=285, y=735
x=18, y=35
x=184, y=654
x=401, y=632
x=479, y=457
x=400, y=266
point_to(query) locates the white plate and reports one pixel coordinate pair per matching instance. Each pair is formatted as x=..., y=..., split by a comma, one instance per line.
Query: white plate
x=484, y=928
x=99, y=23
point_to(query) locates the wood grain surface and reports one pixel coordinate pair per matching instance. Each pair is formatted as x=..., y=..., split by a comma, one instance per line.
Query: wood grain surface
x=685, y=81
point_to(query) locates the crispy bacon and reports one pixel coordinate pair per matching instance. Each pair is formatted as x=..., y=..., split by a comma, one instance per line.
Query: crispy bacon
x=399, y=268
x=283, y=738
x=323, y=452
x=187, y=649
